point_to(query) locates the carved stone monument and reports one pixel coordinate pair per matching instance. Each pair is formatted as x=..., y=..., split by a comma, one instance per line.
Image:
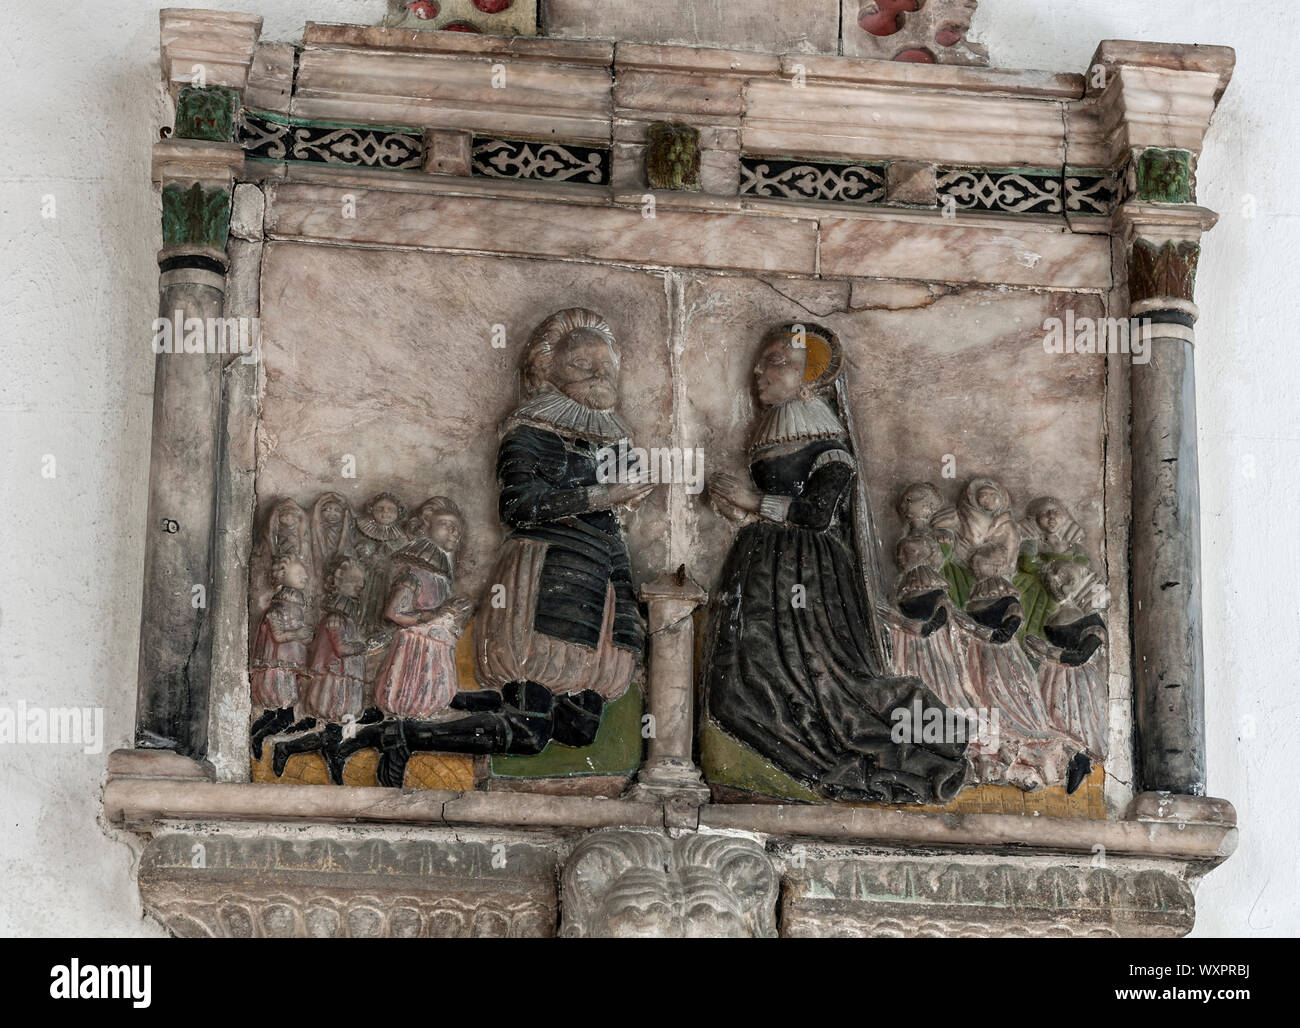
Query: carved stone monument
x=714, y=480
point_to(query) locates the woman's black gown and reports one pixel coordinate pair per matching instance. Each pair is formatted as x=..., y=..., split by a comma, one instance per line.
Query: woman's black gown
x=791, y=672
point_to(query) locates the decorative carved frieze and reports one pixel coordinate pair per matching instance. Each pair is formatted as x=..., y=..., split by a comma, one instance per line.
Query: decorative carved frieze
x=1032, y=191
x=260, y=882
x=1013, y=191
x=1091, y=191
x=795, y=179
x=896, y=899
x=542, y=161
x=274, y=138
x=268, y=886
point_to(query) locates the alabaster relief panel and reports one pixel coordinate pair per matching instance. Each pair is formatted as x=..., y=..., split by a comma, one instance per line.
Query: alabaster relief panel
x=892, y=490
x=929, y=418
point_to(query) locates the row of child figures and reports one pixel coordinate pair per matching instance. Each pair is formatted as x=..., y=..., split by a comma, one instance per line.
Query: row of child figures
x=360, y=622
x=1004, y=615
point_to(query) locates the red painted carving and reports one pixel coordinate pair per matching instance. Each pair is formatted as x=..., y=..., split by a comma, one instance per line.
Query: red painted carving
x=885, y=17
x=492, y=6
x=916, y=56
x=461, y=26
x=425, y=10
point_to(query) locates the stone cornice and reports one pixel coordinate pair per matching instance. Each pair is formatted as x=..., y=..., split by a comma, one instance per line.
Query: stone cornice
x=1154, y=95
x=326, y=35
x=1146, y=95
x=221, y=43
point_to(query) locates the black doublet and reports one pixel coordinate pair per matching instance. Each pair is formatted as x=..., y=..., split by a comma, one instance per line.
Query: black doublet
x=544, y=478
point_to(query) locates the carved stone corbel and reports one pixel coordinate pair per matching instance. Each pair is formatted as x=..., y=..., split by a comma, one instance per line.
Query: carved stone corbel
x=619, y=884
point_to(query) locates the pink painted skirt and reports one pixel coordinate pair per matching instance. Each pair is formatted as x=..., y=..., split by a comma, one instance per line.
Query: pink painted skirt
x=418, y=677
x=274, y=687
x=333, y=696
x=509, y=649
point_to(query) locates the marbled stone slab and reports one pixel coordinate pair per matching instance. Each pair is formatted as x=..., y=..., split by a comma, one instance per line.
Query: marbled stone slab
x=510, y=93
x=270, y=78
x=965, y=249
x=810, y=26
x=724, y=241
x=836, y=119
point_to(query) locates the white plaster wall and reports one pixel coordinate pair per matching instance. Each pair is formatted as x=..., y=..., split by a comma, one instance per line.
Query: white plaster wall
x=83, y=106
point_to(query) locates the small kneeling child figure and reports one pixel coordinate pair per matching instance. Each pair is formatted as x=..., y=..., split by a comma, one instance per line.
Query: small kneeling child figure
x=279, y=652
x=337, y=665
x=418, y=677
x=1069, y=675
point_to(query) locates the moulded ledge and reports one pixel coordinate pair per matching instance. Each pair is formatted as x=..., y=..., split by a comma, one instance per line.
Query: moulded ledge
x=1157, y=826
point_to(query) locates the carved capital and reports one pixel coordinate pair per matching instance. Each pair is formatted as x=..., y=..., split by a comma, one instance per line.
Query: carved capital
x=1165, y=269
x=195, y=217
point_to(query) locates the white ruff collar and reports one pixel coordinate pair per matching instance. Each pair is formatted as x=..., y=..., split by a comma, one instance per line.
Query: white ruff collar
x=372, y=529
x=556, y=411
x=796, y=421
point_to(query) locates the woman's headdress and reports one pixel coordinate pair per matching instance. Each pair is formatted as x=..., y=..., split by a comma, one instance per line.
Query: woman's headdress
x=823, y=357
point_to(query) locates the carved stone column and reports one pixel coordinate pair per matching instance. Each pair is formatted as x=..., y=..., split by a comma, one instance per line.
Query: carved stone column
x=196, y=171
x=669, y=770
x=1145, y=115
x=1169, y=677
